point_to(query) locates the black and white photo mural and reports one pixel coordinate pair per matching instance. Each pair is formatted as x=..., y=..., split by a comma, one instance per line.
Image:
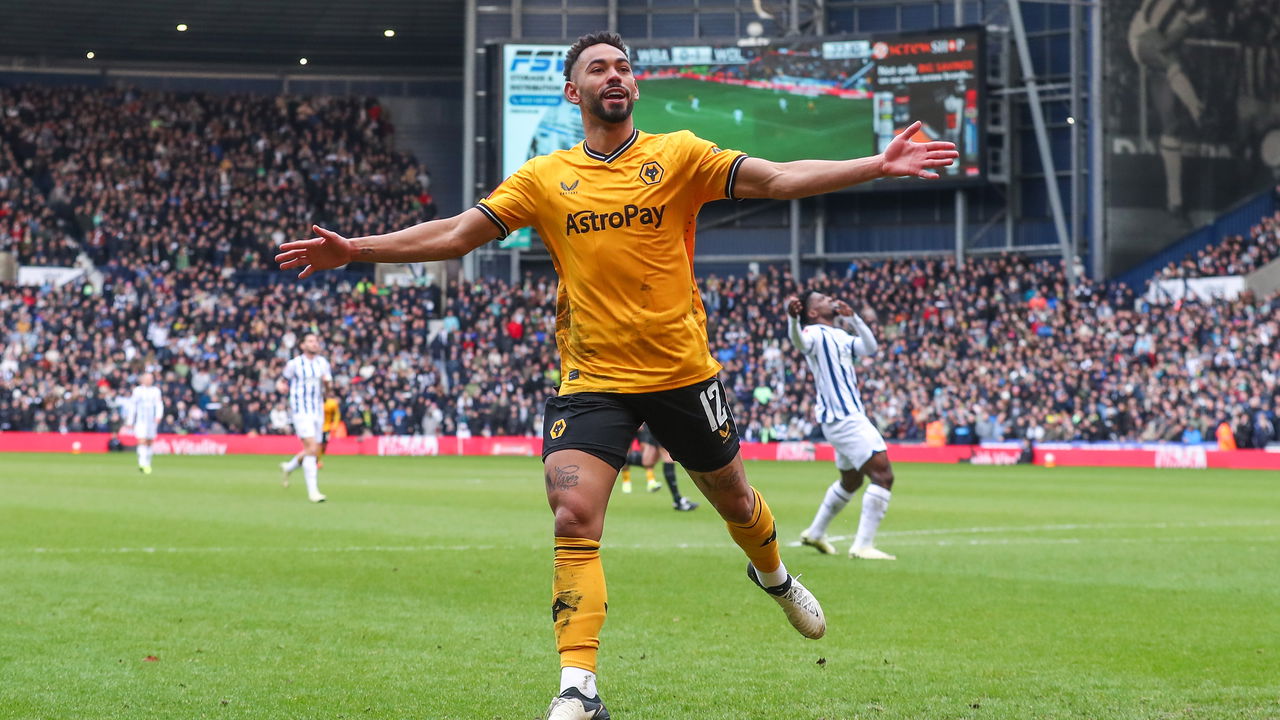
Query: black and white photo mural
x=1192, y=93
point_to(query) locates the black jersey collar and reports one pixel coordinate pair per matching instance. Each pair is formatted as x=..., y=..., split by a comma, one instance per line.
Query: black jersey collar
x=613, y=155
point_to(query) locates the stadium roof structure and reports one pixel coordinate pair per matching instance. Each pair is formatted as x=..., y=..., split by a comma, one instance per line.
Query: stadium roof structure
x=336, y=36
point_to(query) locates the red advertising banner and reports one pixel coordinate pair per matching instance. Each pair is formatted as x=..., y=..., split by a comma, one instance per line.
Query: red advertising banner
x=1061, y=455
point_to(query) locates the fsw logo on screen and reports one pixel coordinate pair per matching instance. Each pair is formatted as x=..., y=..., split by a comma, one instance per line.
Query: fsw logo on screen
x=537, y=61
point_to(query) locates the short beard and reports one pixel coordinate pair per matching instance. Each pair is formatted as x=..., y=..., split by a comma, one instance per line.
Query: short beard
x=596, y=107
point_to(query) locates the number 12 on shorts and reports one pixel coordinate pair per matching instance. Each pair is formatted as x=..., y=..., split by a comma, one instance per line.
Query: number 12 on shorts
x=713, y=404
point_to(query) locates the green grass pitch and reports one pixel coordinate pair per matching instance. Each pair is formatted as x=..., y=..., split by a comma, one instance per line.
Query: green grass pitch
x=833, y=129
x=422, y=590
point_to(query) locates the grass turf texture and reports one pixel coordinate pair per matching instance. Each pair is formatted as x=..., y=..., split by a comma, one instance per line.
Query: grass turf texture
x=835, y=129
x=422, y=590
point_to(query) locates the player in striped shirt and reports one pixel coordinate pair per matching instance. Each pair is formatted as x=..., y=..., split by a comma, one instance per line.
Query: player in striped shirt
x=1155, y=37
x=306, y=379
x=146, y=408
x=818, y=325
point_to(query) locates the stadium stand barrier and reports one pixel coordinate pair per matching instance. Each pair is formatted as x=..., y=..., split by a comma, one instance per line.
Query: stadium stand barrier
x=1235, y=221
x=1064, y=454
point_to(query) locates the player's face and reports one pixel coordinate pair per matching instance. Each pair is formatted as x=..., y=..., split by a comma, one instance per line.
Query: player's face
x=823, y=307
x=311, y=344
x=603, y=84
x=147, y=379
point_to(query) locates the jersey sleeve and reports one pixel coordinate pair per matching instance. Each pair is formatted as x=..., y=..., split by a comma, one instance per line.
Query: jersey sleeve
x=800, y=336
x=328, y=371
x=513, y=204
x=711, y=171
x=131, y=407
x=288, y=370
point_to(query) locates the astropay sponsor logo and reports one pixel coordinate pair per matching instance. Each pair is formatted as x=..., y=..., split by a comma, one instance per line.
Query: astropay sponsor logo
x=204, y=446
x=1177, y=456
x=588, y=221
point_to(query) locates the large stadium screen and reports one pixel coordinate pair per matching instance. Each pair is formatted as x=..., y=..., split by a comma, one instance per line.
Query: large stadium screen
x=816, y=98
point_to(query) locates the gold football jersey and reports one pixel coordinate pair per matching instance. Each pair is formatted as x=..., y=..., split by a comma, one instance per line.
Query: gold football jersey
x=332, y=414
x=620, y=230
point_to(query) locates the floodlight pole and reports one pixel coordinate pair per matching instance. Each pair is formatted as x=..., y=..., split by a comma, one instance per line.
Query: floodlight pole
x=1042, y=141
x=517, y=33
x=793, y=30
x=469, y=127
x=1097, y=230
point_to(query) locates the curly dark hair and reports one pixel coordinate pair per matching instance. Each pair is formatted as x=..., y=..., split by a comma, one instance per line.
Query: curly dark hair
x=596, y=38
x=805, y=297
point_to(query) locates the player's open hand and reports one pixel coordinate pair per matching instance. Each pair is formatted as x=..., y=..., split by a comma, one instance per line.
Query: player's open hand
x=793, y=307
x=907, y=158
x=326, y=252
x=842, y=308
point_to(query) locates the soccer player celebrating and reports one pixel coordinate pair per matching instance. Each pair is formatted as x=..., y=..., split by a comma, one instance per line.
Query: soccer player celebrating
x=860, y=450
x=617, y=213
x=146, y=408
x=306, y=379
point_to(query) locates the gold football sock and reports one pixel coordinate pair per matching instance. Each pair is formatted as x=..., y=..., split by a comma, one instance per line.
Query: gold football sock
x=648, y=476
x=578, y=601
x=758, y=539
x=626, y=474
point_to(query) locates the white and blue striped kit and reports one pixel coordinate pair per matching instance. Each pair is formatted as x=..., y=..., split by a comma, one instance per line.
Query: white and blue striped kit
x=306, y=384
x=830, y=357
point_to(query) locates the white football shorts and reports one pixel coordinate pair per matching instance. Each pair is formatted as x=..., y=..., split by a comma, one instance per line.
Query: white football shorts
x=145, y=430
x=855, y=440
x=307, y=426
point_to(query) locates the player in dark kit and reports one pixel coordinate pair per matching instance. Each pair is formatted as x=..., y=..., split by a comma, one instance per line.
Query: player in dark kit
x=647, y=456
x=618, y=214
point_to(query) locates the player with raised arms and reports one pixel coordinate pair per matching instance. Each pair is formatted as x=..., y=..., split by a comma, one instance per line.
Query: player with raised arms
x=617, y=213
x=819, y=327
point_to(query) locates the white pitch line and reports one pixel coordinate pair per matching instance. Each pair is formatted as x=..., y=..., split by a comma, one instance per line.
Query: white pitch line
x=1062, y=527
x=905, y=540
x=683, y=546
x=1081, y=541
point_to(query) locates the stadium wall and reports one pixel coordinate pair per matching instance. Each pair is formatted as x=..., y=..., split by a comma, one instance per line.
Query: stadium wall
x=1048, y=454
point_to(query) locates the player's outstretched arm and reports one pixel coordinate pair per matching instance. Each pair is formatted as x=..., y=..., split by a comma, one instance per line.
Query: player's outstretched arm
x=442, y=239
x=759, y=178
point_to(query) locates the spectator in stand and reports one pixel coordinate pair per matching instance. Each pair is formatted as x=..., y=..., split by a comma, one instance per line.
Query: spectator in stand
x=999, y=339
x=132, y=178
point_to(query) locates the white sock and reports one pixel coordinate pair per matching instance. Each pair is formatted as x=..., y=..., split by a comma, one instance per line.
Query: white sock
x=143, y=459
x=584, y=680
x=293, y=463
x=832, y=504
x=1171, y=154
x=309, y=473
x=773, y=579
x=874, y=503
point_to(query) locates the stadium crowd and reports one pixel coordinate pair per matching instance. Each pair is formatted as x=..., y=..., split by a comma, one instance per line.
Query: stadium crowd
x=1234, y=255
x=995, y=350
x=153, y=190
x=149, y=178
